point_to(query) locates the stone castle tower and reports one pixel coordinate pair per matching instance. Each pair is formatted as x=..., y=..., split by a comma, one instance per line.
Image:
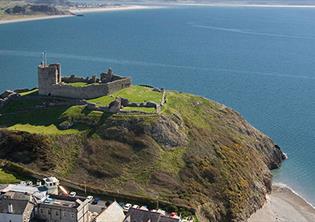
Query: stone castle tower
x=48, y=75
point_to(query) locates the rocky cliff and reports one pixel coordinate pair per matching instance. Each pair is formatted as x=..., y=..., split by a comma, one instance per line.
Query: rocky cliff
x=196, y=153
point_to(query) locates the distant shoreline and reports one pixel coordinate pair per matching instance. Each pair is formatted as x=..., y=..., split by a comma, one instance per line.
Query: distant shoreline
x=141, y=7
x=240, y=4
x=112, y=8
x=78, y=11
x=284, y=205
x=28, y=19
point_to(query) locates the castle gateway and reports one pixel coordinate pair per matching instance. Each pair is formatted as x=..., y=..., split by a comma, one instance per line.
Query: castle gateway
x=51, y=83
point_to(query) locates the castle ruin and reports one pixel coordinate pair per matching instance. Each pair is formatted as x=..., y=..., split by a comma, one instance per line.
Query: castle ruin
x=51, y=83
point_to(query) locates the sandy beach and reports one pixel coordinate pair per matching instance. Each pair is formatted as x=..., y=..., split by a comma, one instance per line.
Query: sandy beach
x=283, y=205
x=111, y=8
x=32, y=19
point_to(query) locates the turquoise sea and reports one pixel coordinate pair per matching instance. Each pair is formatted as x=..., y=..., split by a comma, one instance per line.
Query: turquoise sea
x=259, y=61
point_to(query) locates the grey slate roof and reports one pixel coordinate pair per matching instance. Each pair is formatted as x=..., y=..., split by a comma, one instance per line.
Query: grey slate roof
x=20, y=202
x=138, y=215
x=19, y=206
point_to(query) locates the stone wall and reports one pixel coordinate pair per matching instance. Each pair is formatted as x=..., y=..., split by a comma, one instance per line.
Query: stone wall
x=87, y=92
x=73, y=79
x=118, y=85
x=105, y=78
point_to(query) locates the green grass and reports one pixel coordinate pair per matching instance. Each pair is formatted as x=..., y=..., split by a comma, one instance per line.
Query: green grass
x=192, y=108
x=6, y=178
x=46, y=121
x=172, y=160
x=29, y=114
x=44, y=130
x=30, y=92
x=42, y=121
x=79, y=112
x=21, y=105
x=134, y=93
x=103, y=101
x=141, y=109
x=77, y=84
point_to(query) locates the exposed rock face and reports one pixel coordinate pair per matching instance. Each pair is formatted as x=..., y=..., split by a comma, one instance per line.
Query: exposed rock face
x=168, y=132
x=124, y=102
x=196, y=153
x=114, y=107
x=6, y=96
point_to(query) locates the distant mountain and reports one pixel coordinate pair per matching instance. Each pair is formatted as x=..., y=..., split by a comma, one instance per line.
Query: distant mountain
x=31, y=9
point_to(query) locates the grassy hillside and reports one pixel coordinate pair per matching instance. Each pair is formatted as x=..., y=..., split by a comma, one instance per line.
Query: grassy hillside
x=31, y=112
x=195, y=153
x=6, y=178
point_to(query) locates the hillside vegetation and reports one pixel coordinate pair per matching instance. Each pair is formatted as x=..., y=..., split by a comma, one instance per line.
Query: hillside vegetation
x=17, y=9
x=195, y=153
x=33, y=113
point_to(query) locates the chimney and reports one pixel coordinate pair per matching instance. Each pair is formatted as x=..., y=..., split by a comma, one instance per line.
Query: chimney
x=10, y=208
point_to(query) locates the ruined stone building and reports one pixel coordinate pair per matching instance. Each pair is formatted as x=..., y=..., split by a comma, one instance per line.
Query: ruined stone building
x=51, y=83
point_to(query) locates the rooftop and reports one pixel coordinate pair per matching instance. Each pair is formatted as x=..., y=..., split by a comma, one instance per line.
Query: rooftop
x=16, y=196
x=22, y=188
x=63, y=201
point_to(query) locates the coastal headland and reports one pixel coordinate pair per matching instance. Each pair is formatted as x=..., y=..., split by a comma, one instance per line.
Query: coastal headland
x=138, y=141
x=278, y=203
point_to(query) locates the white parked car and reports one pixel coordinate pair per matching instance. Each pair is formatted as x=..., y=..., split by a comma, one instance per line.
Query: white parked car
x=127, y=206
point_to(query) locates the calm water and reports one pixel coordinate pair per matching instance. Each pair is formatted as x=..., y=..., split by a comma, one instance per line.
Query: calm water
x=259, y=61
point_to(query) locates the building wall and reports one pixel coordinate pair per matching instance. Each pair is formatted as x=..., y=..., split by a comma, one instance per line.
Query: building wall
x=83, y=212
x=56, y=214
x=11, y=217
x=52, y=213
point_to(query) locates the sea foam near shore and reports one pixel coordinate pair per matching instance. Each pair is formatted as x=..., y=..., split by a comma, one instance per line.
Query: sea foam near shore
x=284, y=205
x=282, y=186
